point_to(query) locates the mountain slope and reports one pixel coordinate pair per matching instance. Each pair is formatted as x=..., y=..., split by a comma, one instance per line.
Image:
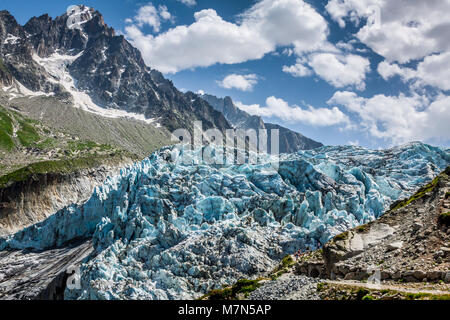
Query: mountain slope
x=410, y=241
x=43, y=169
x=96, y=70
x=290, y=141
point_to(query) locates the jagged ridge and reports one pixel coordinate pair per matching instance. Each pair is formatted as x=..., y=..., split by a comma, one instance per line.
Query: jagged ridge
x=289, y=141
x=105, y=68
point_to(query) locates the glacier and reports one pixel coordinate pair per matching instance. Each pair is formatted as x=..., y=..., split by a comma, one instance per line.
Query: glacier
x=166, y=229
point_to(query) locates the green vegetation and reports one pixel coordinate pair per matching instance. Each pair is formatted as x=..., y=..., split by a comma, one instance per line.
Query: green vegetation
x=417, y=296
x=427, y=296
x=361, y=293
x=6, y=132
x=329, y=291
x=241, y=287
x=444, y=218
x=46, y=144
x=363, y=228
x=76, y=146
x=440, y=297
x=313, y=255
x=341, y=236
x=27, y=134
x=3, y=68
x=62, y=152
x=220, y=294
x=321, y=286
x=286, y=263
x=57, y=166
x=245, y=286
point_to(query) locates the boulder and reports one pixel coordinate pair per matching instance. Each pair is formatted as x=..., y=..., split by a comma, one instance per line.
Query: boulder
x=395, y=245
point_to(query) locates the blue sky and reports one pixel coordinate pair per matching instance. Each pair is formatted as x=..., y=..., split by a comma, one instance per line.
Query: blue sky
x=336, y=71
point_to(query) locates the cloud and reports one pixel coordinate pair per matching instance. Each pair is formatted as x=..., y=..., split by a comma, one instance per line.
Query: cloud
x=164, y=13
x=188, y=2
x=268, y=24
x=298, y=70
x=388, y=70
x=398, y=119
x=279, y=108
x=401, y=30
x=341, y=70
x=239, y=82
x=432, y=71
x=210, y=39
x=151, y=16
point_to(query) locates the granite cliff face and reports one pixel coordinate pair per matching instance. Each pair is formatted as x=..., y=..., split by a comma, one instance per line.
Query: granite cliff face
x=94, y=69
x=16, y=58
x=27, y=202
x=290, y=141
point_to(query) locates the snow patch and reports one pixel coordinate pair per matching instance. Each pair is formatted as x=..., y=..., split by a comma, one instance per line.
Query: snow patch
x=11, y=39
x=57, y=66
x=18, y=90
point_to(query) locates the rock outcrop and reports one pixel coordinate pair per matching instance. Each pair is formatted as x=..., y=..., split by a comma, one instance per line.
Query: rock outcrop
x=409, y=243
x=24, y=203
x=94, y=69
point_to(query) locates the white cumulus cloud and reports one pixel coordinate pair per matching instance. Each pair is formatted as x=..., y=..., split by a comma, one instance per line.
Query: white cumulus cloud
x=279, y=108
x=299, y=69
x=399, y=119
x=341, y=70
x=432, y=71
x=210, y=39
x=151, y=16
x=400, y=30
x=239, y=82
x=188, y=2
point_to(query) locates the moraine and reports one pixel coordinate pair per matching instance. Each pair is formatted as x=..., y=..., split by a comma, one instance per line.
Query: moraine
x=162, y=229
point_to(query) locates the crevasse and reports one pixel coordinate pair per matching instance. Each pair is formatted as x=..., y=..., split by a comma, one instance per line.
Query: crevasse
x=162, y=229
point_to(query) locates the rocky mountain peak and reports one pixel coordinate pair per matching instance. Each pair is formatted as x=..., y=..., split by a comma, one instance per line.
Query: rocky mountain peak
x=77, y=57
x=72, y=31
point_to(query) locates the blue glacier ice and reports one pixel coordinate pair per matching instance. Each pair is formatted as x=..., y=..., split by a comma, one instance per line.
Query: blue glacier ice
x=162, y=229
